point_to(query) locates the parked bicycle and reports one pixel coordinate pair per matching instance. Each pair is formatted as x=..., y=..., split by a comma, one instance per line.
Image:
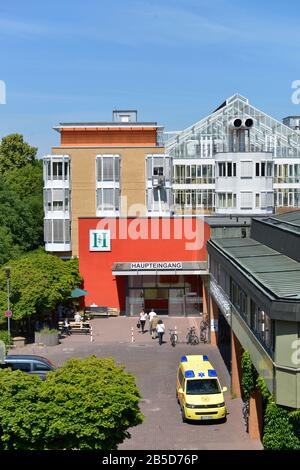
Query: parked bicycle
x=173, y=337
x=203, y=331
x=191, y=337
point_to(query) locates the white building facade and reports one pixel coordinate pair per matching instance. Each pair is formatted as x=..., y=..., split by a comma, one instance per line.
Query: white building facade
x=238, y=160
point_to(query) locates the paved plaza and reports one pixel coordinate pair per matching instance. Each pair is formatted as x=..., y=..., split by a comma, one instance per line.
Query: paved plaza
x=155, y=368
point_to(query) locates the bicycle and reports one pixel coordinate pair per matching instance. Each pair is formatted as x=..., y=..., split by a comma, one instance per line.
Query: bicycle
x=245, y=412
x=203, y=331
x=191, y=337
x=173, y=338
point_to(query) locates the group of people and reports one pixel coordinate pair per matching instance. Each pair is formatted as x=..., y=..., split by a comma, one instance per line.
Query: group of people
x=66, y=328
x=156, y=325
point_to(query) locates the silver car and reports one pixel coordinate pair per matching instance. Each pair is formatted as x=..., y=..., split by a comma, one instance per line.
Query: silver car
x=36, y=365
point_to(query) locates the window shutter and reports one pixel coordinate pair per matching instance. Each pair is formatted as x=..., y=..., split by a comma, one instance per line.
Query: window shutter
x=246, y=200
x=246, y=169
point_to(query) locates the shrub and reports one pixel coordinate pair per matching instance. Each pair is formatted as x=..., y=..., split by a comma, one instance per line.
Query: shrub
x=86, y=404
x=279, y=432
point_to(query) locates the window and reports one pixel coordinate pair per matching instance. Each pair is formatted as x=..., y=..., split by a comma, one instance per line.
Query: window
x=158, y=171
x=202, y=387
x=56, y=199
x=108, y=168
x=57, y=231
x=108, y=199
x=257, y=201
x=222, y=200
x=246, y=200
x=264, y=202
x=222, y=169
x=246, y=169
x=57, y=170
x=229, y=169
x=40, y=366
x=24, y=366
x=269, y=169
x=180, y=377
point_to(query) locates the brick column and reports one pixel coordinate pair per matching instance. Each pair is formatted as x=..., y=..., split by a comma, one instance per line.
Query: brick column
x=236, y=370
x=255, y=416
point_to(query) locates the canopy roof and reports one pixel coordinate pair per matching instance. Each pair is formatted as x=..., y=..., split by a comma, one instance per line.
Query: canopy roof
x=78, y=293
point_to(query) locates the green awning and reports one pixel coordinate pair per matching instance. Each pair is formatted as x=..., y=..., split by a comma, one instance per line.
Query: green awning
x=78, y=293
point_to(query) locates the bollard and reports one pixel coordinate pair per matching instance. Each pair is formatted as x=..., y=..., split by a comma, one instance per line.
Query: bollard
x=91, y=333
x=132, y=338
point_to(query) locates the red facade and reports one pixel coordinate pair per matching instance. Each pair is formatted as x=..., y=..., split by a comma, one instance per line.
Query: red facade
x=135, y=240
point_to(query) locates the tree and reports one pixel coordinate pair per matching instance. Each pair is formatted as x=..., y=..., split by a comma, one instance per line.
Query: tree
x=8, y=249
x=39, y=282
x=21, y=209
x=15, y=153
x=85, y=404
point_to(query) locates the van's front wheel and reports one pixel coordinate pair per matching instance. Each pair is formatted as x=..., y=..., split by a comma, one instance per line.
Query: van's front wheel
x=183, y=417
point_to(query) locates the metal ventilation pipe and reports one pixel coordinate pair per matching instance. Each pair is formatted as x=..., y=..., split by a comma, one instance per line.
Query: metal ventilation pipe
x=235, y=123
x=248, y=122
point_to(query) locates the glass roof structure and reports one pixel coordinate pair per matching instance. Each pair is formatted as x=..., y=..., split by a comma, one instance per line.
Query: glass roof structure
x=211, y=134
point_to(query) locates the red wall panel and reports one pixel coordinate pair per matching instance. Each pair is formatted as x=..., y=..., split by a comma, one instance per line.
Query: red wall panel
x=135, y=244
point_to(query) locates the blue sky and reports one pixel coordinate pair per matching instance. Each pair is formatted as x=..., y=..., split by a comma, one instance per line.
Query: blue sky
x=174, y=61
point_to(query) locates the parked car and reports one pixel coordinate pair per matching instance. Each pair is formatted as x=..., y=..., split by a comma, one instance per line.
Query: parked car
x=36, y=365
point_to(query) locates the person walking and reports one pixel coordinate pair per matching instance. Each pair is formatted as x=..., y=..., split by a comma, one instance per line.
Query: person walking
x=143, y=318
x=160, y=331
x=66, y=327
x=152, y=314
x=153, y=326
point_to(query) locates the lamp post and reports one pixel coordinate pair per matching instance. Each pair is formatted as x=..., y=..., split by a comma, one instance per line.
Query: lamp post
x=8, y=313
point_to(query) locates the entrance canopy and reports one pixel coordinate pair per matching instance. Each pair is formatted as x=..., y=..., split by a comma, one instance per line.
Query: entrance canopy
x=144, y=268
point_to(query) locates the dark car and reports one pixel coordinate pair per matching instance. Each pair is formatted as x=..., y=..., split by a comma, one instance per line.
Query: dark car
x=36, y=365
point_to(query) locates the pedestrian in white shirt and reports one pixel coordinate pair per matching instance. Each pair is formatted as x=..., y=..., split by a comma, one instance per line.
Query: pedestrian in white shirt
x=152, y=314
x=77, y=317
x=143, y=318
x=160, y=331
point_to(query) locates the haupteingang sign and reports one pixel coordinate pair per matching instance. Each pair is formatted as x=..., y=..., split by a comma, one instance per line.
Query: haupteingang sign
x=161, y=265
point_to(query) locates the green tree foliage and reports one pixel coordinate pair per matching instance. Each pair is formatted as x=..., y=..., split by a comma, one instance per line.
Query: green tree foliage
x=278, y=432
x=248, y=377
x=281, y=426
x=15, y=153
x=21, y=198
x=39, y=281
x=86, y=404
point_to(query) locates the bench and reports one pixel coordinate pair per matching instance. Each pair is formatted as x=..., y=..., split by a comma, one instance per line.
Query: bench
x=101, y=312
x=77, y=327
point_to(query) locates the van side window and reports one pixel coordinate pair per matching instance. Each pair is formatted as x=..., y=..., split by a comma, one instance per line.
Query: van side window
x=24, y=366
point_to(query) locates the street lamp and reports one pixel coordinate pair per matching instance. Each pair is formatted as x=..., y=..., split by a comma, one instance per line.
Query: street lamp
x=7, y=270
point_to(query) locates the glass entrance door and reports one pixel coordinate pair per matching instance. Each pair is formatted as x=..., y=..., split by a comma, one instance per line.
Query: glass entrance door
x=135, y=302
x=176, y=302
